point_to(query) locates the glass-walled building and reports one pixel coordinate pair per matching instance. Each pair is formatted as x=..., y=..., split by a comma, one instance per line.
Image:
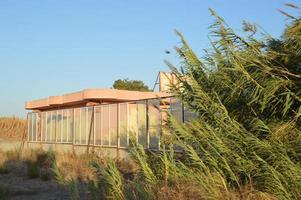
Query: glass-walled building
x=101, y=117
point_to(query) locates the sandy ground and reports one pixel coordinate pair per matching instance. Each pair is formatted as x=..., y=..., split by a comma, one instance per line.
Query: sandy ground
x=24, y=188
x=20, y=187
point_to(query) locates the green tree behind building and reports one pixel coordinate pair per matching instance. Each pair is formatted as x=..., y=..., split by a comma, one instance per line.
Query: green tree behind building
x=134, y=85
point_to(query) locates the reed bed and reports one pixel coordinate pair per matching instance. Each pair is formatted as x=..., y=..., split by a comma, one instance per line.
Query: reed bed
x=12, y=128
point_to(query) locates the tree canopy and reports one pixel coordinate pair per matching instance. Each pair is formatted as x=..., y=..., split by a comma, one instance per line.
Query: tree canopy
x=134, y=85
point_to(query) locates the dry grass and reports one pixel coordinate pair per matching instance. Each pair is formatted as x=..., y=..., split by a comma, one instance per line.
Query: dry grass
x=12, y=128
x=78, y=168
x=37, y=162
x=75, y=167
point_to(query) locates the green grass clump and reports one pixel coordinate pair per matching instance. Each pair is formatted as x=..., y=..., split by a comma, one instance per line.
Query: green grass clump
x=40, y=165
x=33, y=170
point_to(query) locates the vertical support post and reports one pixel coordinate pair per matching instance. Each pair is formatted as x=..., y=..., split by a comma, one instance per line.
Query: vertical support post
x=160, y=123
x=137, y=121
x=36, y=127
x=51, y=127
x=46, y=126
x=62, y=125
x=42, y=125
x=27, y=134
x=94, y=126
x=118, y=129
x=28, y=125
x=147, y=123
x=32, y=127
x=127, y=124
x=67, y=122
x=55, y=126
x=86, y=124
x=91, y=128
x=109, y=125
x=101, y=125
x=80, y=125
x=73, y=132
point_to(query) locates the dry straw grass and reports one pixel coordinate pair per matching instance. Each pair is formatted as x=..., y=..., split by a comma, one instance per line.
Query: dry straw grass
x=12, y=128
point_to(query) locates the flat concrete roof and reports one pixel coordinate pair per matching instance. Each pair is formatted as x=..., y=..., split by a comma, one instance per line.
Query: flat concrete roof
x=91, y=95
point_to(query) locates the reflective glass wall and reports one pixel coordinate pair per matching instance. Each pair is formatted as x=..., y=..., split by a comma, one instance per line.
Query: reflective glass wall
x=109, y=125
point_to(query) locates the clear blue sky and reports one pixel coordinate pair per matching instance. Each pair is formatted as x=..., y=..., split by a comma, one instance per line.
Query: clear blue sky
x=51, y=47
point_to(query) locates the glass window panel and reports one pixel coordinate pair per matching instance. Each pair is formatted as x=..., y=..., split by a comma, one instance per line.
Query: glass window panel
x=58, y=125
x=154, y=123
x=53, y=124
x=123, y=124
x=141, y=112
x=105, y=124
x=70, y=125
x=89, y=125
x=48, y=129
x=113, y=124
x=44, y=126
x=83, y=123
x=176, y=109
x=188, y=115
x=97, y=125
x=133, y=121
x=77, y=123
x=29, y=130
x=64, y=122
x=38, y=126
x=34, y=127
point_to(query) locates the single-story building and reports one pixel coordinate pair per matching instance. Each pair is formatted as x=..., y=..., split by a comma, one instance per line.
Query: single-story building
x=101, y=118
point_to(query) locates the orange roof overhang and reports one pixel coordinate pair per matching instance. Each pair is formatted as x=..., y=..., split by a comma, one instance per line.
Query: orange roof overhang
x=100, y=95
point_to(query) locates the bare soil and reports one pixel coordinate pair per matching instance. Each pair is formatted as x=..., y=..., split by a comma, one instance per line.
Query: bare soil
x=17, y=186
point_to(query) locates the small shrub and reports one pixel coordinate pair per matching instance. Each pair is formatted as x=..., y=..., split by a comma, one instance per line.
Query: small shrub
x=46, y=175
x=32, y=169
x=4, y=169
x=41, y=165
